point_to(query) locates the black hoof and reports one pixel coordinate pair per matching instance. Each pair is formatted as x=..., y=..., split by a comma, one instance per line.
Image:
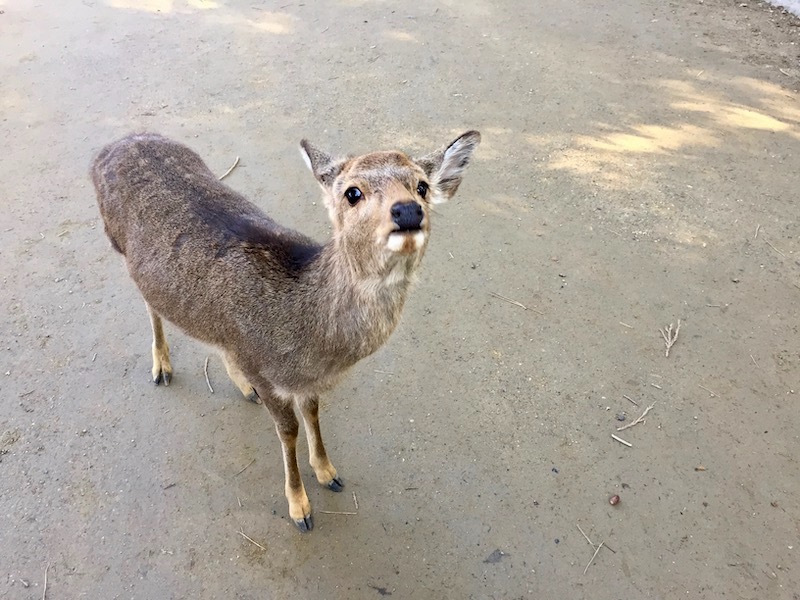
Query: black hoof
x=305, y=524
x=335, y=485
x=163, y=377
x=253, y=397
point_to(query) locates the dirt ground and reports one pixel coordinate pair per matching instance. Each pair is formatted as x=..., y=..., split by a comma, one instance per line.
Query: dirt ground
x=640, y=164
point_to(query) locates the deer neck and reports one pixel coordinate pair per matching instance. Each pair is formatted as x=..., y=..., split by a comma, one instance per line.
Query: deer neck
x=360, y=301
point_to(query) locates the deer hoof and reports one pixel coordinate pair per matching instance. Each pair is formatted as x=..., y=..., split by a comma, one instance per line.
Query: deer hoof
x=163, y=376
x=253, y=397
x=305, y=524
x=335, y=485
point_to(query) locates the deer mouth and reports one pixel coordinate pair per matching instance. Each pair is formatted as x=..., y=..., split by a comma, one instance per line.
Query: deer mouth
x=406, y=241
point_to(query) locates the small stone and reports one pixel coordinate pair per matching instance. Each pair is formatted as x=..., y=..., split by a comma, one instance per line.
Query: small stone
x=614, y=500
x=621, y=417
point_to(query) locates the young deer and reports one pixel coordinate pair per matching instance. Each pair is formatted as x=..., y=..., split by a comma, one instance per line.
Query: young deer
x=288, y=316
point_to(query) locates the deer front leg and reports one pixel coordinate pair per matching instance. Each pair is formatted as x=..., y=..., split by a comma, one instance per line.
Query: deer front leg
x=287, y=426
x=162, y=368
x=323, y=468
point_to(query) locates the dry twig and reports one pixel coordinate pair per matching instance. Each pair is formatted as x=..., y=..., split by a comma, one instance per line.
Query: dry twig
x=591, y=543
x=774, y=248
x=251, y=540
x=713, y=394
x=629, y=399
x=44, y=590
x=639, y=420
x=228, y=172
x=336, y=512
x=626, y=325
x=669, y=336
x=208, y=383
x=509, y=300
x=245, y=467
x=355, y=500
x=593, y=557
x=621, y=441
x=757, y=228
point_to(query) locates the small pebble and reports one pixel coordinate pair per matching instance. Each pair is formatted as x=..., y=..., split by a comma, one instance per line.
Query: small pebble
x=554, y=470
x=614, y=500
x=621, y=417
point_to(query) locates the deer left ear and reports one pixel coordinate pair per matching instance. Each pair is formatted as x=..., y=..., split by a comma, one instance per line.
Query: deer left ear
x=324, y=167
x=446, y=166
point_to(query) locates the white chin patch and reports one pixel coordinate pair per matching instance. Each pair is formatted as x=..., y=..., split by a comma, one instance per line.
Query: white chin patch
x=399, y=241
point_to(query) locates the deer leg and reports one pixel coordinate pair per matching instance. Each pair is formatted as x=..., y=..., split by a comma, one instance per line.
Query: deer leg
x=324, y=469
x=162, y=368
x=286, y=425
x=240, y=379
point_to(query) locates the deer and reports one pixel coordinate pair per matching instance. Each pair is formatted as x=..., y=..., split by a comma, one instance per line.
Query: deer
x=288, y=316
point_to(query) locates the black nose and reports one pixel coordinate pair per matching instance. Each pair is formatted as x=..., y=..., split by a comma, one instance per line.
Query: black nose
x=407, y=215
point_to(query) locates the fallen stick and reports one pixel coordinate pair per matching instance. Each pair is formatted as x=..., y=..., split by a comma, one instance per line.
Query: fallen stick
x=208, y=383
x=228, y=172
x=639, y=420
x=337, y=512
x=251, y=540
x=669, y=336
x=774, y=248
x=713, y=394
x=44, y=591
x=629, y=399
x=243, y=468
x=593, y=556
x=586, y=536
x=509, y=300
x=355, y=500
x=621, y=441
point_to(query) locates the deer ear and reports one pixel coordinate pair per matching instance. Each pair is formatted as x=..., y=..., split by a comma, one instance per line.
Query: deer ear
x=324, y=167
x=446, y=166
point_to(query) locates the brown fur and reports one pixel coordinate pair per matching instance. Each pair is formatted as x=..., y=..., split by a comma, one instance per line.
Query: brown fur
x=289, y=316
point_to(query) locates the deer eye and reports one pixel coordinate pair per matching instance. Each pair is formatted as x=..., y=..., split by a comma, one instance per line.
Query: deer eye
x=353, y=195
x=422, y=188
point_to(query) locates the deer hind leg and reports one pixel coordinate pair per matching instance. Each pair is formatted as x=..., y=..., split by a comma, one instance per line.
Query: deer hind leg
x=287, y=426
x=323, y=468
x=162, y=368
x=240, y=379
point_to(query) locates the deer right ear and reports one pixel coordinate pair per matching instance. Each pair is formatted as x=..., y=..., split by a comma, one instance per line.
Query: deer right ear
x=446, y=166
x=324, y=167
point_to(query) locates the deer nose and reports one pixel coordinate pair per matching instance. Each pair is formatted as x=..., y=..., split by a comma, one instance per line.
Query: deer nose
x=407, y=215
